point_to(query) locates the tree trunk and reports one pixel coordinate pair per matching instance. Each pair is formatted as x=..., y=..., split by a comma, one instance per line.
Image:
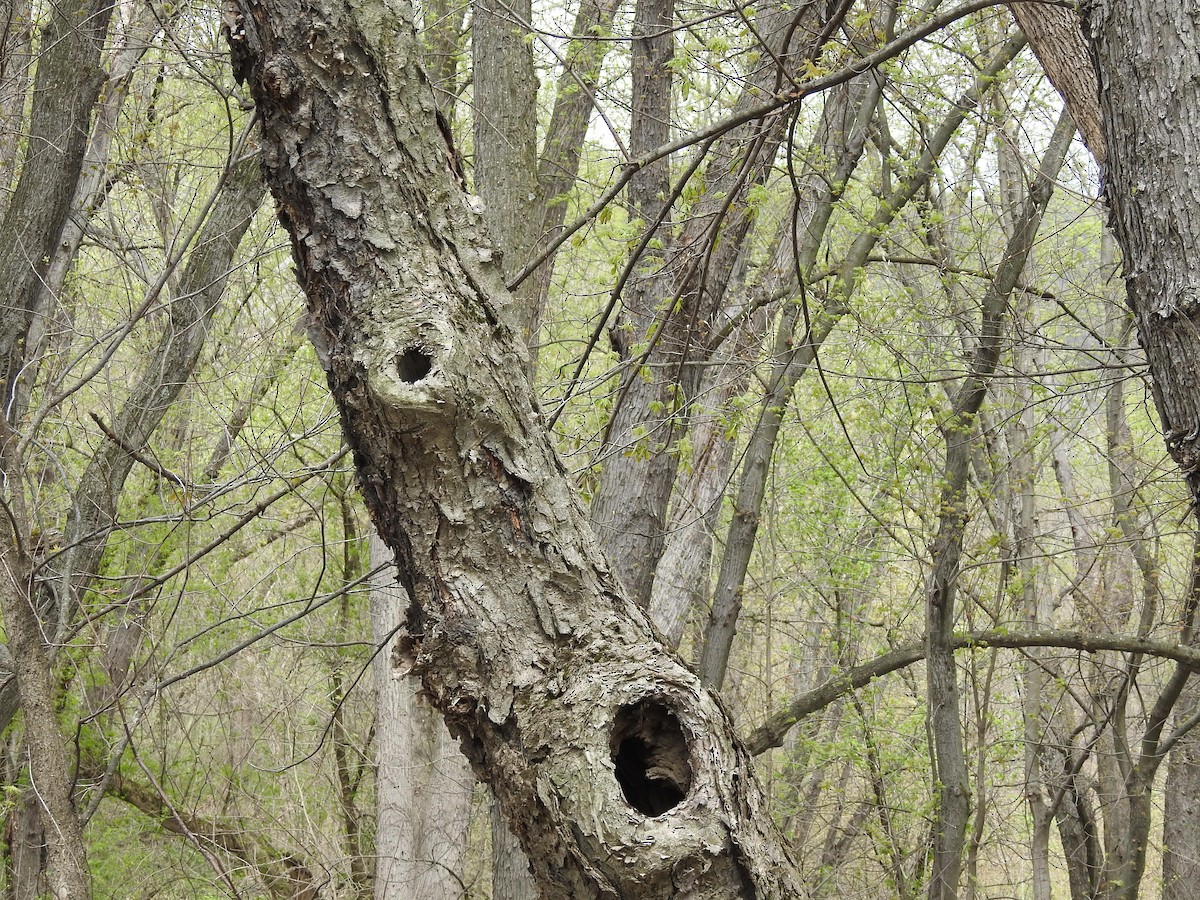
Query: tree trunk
x=1056, y=37
x=1181, y=809
x=66, y=85
x=841, y=136
x=505, y=165
x=505, y=177
x=1147, y=54
x=945, y=726
x=16, y=33
x=796, y=357
x=49, y=768
x=423, y=782
x=1147, y=59
x=574, y=102
x=670, y=308
x=619, y=773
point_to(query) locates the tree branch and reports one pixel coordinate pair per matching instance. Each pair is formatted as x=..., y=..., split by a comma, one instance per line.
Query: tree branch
x=772, y=732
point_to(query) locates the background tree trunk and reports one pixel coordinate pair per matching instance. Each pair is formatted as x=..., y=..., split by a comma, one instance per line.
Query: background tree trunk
x=423, y=782
x=953, y=791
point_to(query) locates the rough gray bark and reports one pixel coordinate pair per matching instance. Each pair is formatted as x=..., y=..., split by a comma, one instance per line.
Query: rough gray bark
x=1056, y=37
x=619, y=773
x=668, y=312
x=945, y=726
x=67, y=83
x=520, y=210
x=505, y=162
x=1147, y=58
x=652, y=48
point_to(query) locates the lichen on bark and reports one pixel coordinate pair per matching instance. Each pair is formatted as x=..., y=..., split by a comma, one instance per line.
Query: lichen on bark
x=522, y=636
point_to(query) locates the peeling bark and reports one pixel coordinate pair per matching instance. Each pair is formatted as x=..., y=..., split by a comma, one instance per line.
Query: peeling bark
x=522, y=637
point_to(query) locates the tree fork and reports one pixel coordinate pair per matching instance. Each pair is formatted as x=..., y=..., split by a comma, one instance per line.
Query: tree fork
x=619, y=773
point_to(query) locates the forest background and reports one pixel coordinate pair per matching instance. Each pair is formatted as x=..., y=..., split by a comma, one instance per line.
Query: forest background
x=815, y=367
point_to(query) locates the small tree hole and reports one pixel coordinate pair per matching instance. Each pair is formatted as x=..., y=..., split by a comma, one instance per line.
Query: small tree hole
x=412, y=365
x=651, y=755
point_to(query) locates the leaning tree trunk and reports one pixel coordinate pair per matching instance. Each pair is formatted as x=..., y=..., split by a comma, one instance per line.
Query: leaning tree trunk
x=1056, y=39
x=618, y=772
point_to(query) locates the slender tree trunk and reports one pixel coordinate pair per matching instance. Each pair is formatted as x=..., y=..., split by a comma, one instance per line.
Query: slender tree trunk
x=953, y=793
x=16, y=35
x=50, y=770
x=795, y=358
x=1023, y=480
x=670, y=308
x=629, y=508
x=423, y=782
x=442, y=31
x=66, y=85
x=505, y=165
x=841, y=136
x=574, y=103
x=682, y=573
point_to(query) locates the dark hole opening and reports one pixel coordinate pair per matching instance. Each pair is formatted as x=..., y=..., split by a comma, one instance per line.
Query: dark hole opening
x=651, y=755
x=412, y=365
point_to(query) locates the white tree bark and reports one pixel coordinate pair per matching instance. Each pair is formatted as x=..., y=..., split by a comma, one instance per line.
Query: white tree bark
x=423, y=782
